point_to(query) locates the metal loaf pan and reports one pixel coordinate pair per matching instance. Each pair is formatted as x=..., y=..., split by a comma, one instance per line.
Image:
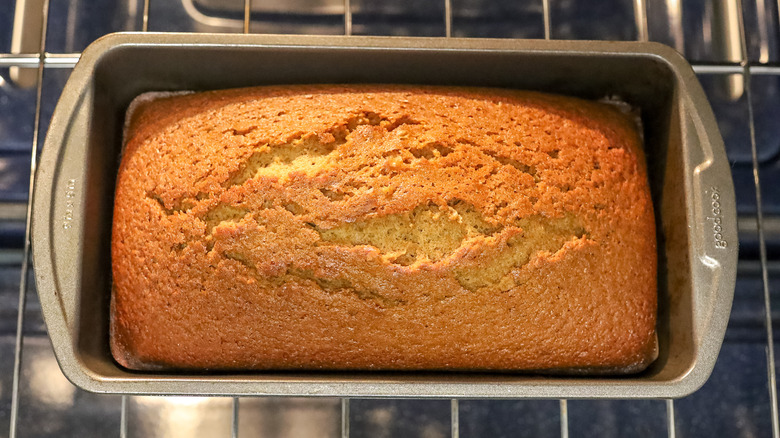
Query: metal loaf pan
x=690, y=181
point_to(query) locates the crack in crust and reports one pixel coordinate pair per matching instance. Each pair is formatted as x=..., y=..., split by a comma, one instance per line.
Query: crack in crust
x=179, y=207
x=531, y=237
x=222, y=214
x=507, y=161
x=328, y=285
x=309, y=152
x=427, y=233
x=341, y=284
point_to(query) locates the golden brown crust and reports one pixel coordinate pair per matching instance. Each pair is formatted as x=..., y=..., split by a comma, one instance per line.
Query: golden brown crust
x=382, y=227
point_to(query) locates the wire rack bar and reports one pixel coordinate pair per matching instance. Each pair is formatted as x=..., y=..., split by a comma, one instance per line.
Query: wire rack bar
x=763, y=31
x=14, y=420
x=547, y=35
x=65, y=60
x=770, y=350
x=69, y=60
x=74, y=59
x=448, y=18
x=347, y=18
x=736, y=69
x=640, y=17
x=11, y=257
x=454, y=410
x=236, y=400
x=345, y=401
x=31, y=60
x=757, y=70
x=123, y=418
x=564, y=419
x=14, y=60
x=345, y=418
x=454, y=418
x=145, y=23
x=674, y=17
x=718, y=69
x=234, y=420
x=247, y=14
x=772, y=375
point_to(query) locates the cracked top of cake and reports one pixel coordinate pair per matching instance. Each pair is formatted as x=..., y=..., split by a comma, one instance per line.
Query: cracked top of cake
x=382, y=227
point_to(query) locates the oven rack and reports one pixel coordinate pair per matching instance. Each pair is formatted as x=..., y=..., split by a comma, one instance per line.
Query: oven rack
x=740, y=75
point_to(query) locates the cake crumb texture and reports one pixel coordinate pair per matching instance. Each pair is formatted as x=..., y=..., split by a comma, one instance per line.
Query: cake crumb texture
x=382, y=227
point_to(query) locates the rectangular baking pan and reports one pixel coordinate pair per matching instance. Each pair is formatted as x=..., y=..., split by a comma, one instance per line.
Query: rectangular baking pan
x=690, y=181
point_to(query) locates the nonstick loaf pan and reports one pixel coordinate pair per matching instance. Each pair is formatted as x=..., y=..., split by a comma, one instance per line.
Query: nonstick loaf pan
x=690, y=182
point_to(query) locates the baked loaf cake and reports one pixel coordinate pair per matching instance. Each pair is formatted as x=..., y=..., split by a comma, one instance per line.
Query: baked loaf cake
x=382, y=227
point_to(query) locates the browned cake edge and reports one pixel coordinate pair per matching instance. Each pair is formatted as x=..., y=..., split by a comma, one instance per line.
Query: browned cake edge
x=153, y=117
